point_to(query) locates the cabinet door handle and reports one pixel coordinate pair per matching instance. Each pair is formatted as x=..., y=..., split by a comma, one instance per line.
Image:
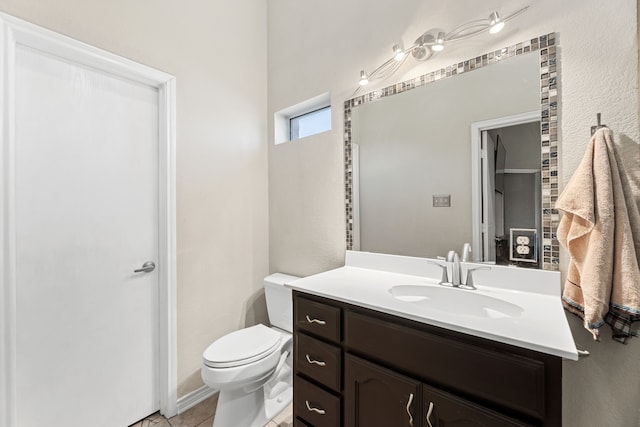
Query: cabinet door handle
x=312, y=409
x=318, y=321
x=409, y=409
x=315, y=362
x=429, y=411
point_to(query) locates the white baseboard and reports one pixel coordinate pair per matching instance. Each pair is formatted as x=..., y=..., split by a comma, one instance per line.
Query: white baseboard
x=192, y=399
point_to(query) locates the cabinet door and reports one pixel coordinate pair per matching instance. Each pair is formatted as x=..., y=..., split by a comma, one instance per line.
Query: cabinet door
x=378, y=397
x=446, y=410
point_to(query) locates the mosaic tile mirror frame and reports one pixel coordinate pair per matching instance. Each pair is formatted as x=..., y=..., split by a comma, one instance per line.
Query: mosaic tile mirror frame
x=545, y=45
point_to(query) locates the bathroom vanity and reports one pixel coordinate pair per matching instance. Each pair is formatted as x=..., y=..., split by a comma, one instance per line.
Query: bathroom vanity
x=366, y=355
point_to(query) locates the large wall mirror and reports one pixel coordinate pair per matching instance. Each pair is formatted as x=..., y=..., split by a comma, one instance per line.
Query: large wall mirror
x=467, y=153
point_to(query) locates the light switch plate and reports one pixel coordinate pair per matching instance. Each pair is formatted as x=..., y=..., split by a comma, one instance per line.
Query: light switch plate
x=442, y=200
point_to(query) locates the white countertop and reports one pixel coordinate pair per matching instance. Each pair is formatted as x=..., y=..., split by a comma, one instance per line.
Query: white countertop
x=528, y=313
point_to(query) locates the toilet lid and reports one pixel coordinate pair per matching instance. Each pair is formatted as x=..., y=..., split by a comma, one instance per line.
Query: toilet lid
x=242, y=347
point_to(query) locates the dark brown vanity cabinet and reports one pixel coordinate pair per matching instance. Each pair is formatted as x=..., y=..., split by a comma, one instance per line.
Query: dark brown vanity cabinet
x=356, y=367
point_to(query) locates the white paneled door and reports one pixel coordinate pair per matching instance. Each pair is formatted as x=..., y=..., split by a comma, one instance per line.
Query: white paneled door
x=85, y=216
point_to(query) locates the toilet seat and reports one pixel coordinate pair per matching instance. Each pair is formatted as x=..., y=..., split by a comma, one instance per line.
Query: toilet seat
x=242, y=347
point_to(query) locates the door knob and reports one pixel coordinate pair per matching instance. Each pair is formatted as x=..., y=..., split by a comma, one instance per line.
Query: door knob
x=147, y=267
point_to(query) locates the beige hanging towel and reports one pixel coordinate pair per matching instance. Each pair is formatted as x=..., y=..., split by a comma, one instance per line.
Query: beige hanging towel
x=601, y=230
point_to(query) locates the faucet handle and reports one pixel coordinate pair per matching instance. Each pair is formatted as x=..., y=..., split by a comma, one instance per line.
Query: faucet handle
x=469, y=282
x=444, y=278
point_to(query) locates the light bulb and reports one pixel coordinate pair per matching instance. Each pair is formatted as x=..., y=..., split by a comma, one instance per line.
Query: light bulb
x=364, y=80
x=398, y=53
x=495, y=23
x=438, y=44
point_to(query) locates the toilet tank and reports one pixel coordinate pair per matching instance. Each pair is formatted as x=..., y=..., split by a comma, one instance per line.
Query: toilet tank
x=279, y=300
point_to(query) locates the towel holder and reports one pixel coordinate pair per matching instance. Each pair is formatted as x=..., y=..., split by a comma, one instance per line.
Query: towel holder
x=598, y=126
x=583, y=353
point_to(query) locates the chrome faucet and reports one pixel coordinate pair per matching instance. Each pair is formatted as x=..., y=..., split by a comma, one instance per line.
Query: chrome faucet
x=454, y=259
x=456, y=272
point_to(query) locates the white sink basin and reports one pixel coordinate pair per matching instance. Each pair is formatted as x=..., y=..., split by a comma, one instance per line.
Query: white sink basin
x=462, y=302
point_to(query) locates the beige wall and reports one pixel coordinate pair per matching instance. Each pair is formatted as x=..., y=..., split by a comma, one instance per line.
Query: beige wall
x=221, y=144
x=315, y=47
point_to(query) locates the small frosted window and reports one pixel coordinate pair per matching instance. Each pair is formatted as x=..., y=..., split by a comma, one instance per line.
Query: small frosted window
x=317, y=121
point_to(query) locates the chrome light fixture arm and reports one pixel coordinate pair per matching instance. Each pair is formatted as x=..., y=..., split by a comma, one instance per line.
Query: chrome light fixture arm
x=434, y=41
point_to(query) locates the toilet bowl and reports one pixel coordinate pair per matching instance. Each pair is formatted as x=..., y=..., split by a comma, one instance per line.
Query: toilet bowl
x=252, y=367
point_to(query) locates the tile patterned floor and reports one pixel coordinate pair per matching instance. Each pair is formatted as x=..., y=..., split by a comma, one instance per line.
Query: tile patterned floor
x=202, y=414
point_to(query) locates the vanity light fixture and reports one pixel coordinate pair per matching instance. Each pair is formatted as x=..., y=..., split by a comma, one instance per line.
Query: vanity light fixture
x=433, y=41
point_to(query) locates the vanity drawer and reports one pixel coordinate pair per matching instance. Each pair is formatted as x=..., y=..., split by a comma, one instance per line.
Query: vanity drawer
x=315, y=406
x=496, y=378
x=318, y=360
x=318, y=319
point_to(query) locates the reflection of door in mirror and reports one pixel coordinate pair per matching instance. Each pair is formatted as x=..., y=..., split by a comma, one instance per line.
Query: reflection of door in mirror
x=511, y=197
x=489, y=191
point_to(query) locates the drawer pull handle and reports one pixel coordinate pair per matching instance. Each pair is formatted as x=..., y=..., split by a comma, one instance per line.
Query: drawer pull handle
x=312, y=409
x=409, y=409
x=318, y=321
x=315, y=362
x=429, y=411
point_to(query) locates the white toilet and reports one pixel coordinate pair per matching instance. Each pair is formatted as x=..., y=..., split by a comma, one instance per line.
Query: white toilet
x=253, y=367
